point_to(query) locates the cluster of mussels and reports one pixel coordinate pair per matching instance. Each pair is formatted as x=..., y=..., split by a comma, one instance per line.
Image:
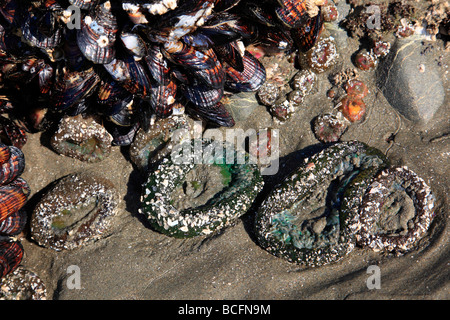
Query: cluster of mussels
x=13, y=194
x=16, y=282
x=98, y=73
x=123, y=61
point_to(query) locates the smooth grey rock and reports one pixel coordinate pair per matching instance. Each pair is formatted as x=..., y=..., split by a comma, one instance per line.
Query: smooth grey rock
x=411, y=81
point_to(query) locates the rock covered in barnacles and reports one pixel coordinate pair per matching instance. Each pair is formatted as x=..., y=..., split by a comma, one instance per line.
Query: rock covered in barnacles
x=22, y=284
x=77, y=210
x=301, y=219
x=196, y=193
x=329, y=127
x=82, y=138
x=396, y=211
x=152, y=145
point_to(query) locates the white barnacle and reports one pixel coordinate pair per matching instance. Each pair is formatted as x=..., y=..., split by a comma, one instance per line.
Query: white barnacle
x=102, y=41
x=88, y=20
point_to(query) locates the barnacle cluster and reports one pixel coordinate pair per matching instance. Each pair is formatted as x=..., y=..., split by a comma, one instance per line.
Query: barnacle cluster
x=22, y=284
x=124, y=61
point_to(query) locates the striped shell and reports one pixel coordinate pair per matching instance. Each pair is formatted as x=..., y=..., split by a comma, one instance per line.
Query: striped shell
x=13, y=224
x=13, y=196
x=293, y=12
x=82, y=138
x=12, y=163
x=11, y=254
x=97, y=35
